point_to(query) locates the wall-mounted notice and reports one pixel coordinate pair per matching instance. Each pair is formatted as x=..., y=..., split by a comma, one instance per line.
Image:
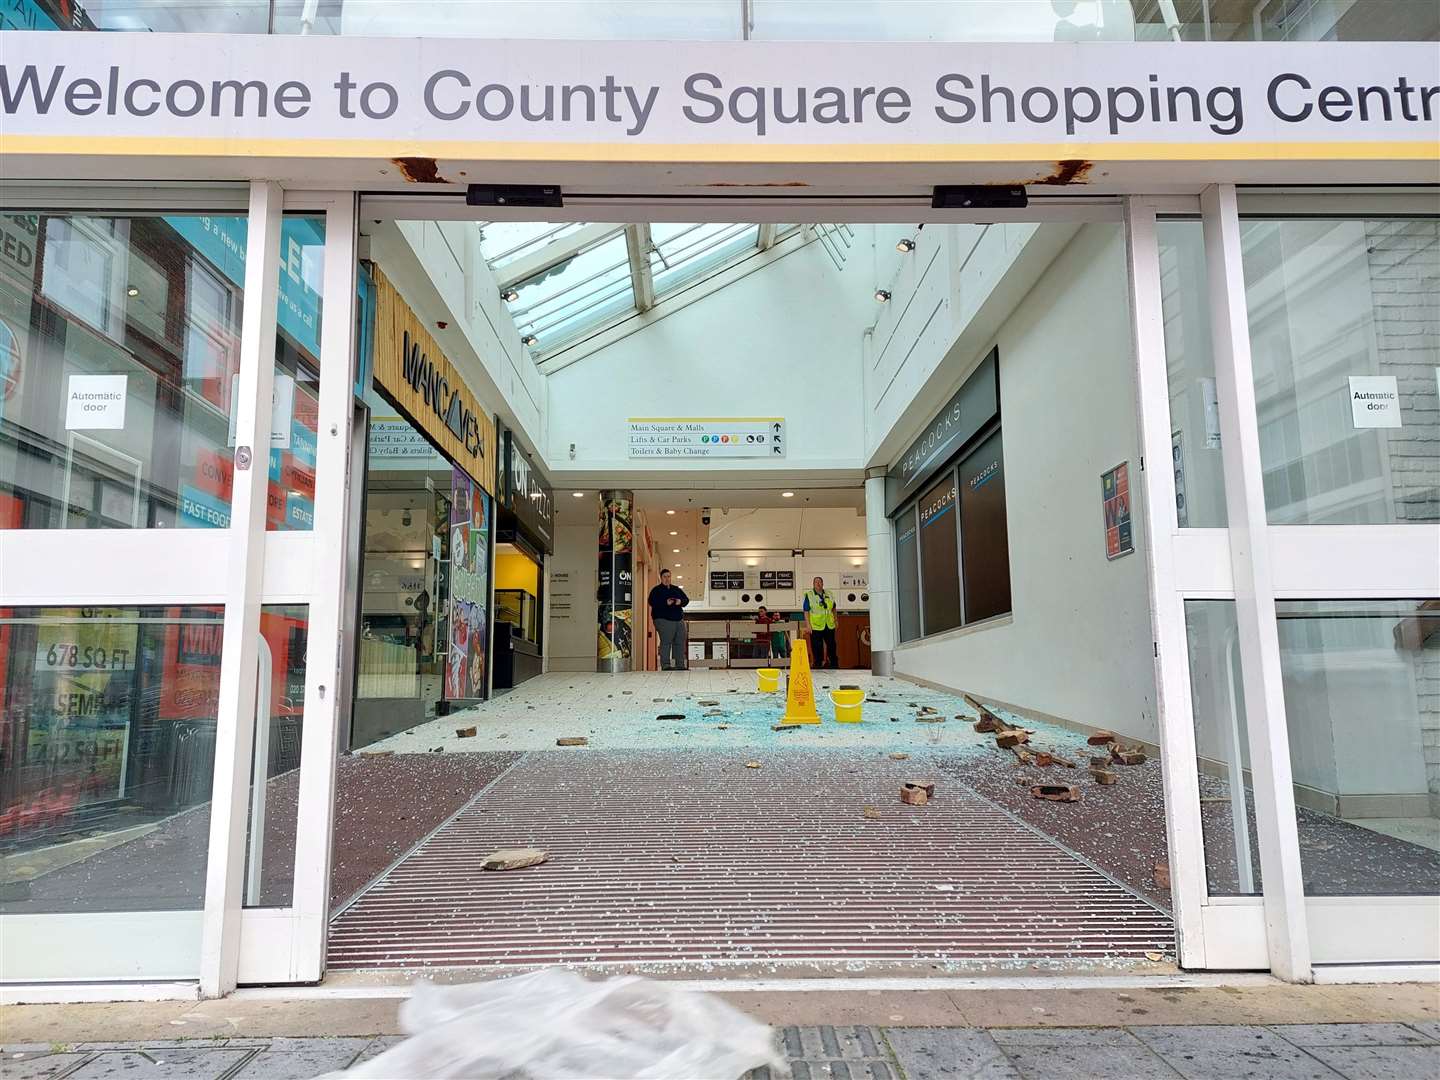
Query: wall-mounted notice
x=707, y=436
x=1374, y=401
x=95, y=403
x=1115, y=498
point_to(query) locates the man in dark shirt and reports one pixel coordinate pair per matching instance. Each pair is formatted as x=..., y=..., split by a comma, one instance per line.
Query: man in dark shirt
x=667, y=612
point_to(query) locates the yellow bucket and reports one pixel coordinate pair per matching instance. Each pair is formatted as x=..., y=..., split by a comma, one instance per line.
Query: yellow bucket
x=847, y=705
x=769, y=679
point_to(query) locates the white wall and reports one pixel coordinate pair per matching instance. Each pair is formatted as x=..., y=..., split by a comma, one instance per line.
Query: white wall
x=572, y=632
x=783, y=341
x=1078, y=644
x=438, y=268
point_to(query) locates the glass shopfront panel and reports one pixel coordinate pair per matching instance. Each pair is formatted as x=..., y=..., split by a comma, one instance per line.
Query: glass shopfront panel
x=907, y=573
x=1362, y=704
x=984, y=537
x=1190, y=365
x=940, y=555
x=1345, y=338
x=119, y=365
x=1227, y=800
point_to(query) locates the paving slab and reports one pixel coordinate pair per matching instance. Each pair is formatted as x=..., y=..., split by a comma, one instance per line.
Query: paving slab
x=301, y=1062
x=95, y=1022
x=278, y=1017
x=1066, y=1038
x=1308, y=1035
x=1381, y=1062
x=902, y=1008
x=1134, y=1062
x=834, y=1052
x=38, y=1064
x=209, y=1064
x=378, y=1046
x=1231, y=1052
x=935, y=1053
x=1429, y=1028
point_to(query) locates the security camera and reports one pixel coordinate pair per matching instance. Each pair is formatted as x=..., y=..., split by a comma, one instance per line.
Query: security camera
x=704, y=515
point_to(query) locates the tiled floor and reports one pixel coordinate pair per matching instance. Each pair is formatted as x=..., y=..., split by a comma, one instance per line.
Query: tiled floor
x=1224, y=1052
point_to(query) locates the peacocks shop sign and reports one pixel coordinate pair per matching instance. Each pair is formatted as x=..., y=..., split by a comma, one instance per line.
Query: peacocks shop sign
x=422, y=383
x=320, y=97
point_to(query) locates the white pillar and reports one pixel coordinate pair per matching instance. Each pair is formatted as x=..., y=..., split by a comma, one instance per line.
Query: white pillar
x=1284, y=891
x=880, y=536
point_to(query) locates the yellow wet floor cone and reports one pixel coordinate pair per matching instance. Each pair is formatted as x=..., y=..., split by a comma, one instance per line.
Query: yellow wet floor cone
x=800, y=693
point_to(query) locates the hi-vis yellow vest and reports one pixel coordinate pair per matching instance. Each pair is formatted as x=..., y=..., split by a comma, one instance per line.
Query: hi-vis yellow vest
x=822, y=610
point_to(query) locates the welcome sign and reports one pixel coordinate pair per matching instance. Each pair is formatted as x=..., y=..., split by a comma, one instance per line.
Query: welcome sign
x=235, y=95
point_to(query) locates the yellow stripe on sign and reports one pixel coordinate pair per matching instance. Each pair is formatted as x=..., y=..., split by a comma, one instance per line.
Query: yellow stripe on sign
x=793, y=153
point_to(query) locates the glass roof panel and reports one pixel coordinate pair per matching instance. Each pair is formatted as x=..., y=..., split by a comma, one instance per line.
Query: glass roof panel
x=562, y=302
x=503, y=242
x=682, y=251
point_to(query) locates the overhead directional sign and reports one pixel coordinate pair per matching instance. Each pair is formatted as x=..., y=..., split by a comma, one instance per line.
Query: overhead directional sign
x=707, y=436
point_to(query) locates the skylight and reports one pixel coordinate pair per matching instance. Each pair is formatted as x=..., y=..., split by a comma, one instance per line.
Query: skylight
x=572, y=279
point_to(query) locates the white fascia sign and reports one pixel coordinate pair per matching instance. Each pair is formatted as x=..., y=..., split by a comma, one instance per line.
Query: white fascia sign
x=1374, y=401
x=95, y=402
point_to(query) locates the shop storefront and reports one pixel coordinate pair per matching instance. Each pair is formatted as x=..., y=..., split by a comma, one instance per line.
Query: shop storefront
x=946, y=504
x=424, y=626
x=525, y=537
x=178, y=375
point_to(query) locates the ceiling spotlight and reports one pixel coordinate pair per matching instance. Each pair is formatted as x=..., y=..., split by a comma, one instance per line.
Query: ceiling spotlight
x=787, y=494
x=510, y=295
x=674, y=532
x=669, y=511
x=882, y=295
x=679, y=577
x=905, y=246
x=675, y=551
x=578, y=494
x=529, y=341
x=132, y=291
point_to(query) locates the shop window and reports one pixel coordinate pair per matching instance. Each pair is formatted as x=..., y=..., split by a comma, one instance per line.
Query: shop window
x=107, y=756
x=907, y=572
x=119, y=364
x=984, y=538
x=1362, y=706
x=940, y=556
x=1345, y=341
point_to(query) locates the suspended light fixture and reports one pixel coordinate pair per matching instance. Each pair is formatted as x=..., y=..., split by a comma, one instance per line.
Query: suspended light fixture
x=529, y=341
x=882, y=295
x=905, y=246
x=509, y=295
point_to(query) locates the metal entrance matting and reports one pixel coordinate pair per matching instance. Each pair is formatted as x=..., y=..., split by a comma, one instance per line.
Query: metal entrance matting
x=666, y=857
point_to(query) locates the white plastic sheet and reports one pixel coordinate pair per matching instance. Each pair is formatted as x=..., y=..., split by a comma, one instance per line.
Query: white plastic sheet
x=556, y=1025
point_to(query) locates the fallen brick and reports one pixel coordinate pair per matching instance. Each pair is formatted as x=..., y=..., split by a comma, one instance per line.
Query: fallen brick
x=1162, y=874
x=1056, y=792
x=514, y=859
x=752, y=764
x=1131, y=755
x=465, y=732
x=1011, y=737
x=573, y=740
x=871, y=813
x=1044, y=759
x=899, y=755
x=988, y=724
x=1101, y=738
x=1099, y=762
x=1104, y=777
x=917, y=792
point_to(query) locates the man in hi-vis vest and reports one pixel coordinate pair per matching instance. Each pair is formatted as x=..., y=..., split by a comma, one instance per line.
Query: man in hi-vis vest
x=820, y=610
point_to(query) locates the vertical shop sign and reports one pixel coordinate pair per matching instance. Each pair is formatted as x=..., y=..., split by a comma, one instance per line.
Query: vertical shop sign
x=469, y=587
x=616, y=605
x=1115, y=499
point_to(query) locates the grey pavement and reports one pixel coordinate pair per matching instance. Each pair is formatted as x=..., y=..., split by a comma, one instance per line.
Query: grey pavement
x=1368, y=1051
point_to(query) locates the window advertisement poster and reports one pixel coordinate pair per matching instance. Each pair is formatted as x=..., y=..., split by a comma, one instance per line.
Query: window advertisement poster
x=81, y=698
x=469, y=587
x=984, y=530
x=940, y=555
x=1115, y=498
